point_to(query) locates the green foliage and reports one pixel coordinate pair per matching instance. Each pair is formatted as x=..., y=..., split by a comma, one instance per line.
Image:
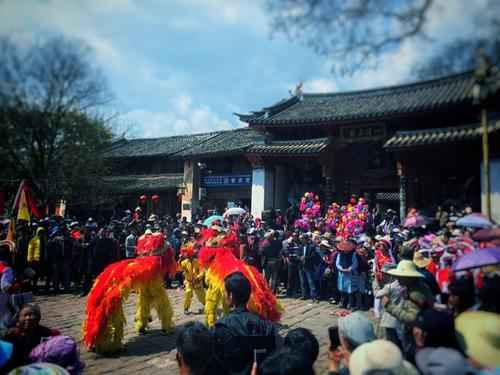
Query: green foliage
x=50, y=125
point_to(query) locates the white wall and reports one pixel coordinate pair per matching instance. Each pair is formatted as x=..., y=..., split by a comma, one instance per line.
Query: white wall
x=258, y=193
x=494, y=190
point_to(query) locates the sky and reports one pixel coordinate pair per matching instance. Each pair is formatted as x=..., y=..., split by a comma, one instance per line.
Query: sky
x=181, y=67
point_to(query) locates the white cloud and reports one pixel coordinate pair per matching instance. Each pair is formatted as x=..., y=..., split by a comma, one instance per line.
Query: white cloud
x=201, y=119
x=183, y=103
x=320, y=85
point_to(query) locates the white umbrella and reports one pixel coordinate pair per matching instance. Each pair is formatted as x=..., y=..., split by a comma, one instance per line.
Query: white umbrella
x=235, y=211
x=474, y=220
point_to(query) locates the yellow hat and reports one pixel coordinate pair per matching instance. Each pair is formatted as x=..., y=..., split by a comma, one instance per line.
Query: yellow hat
x=405, y=268
x=420, y=261
x=478, y=333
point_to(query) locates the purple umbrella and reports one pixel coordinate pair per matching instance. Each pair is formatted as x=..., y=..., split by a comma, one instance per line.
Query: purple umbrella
x=487, y=234
x=478, y=258
x=415, y=221
x=474, y=220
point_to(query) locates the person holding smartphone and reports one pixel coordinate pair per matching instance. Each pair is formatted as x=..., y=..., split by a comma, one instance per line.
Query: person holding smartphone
x=241, y=332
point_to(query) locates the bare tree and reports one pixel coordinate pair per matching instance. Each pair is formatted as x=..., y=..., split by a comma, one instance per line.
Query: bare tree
x=350, y=33
x=50, y=126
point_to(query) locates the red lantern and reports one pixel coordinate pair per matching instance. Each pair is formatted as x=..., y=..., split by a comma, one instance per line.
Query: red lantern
x=155, y=198
x=143, y=198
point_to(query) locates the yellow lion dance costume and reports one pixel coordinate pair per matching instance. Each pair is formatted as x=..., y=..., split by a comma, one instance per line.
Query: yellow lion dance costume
x=104, y=317
x=218, y=257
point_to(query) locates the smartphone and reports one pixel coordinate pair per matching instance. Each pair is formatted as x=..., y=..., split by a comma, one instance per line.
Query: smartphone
x=259, y=355
x=333, y=332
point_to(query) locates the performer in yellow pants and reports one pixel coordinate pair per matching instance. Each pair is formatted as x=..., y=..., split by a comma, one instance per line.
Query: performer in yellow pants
x=153, y=294
x=192, y=277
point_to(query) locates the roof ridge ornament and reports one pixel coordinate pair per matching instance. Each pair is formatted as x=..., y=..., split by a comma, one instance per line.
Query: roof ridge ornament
x=298, y=89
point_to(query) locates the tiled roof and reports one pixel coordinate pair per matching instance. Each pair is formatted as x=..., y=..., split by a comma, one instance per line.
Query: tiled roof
x=413, y=138
x=144, y=182
x=206, y=144
x=307, y=146
x=367, y=104
x=226, y=142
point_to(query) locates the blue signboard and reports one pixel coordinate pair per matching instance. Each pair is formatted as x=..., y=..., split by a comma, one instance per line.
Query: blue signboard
x=228, y=180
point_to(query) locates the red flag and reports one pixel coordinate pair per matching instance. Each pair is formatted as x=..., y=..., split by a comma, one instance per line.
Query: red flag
x=30, y=199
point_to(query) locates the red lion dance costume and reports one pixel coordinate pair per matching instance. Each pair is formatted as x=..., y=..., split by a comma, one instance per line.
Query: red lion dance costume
x=217, y=257
x=104, y=316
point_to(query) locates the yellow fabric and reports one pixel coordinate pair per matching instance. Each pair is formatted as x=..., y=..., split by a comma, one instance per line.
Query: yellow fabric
x=192, y=274
x=214, y=297
x=200, y=294
x=111, y=338
x=153, y=295
x=23, y=213
x=34, y=247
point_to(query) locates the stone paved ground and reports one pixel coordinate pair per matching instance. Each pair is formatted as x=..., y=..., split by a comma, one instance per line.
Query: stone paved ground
x=154, y=353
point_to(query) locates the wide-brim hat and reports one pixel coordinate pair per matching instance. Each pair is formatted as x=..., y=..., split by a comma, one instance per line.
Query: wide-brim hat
x=326, y=244
x=420, y=261
x=218, y=228
x=388, y=266
x=405, y=268
x=379, y=355
x=442, y=361
x=478, y=334
x=346, y=245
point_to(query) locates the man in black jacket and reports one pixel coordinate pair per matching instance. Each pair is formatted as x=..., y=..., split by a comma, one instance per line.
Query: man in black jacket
x=307, y=268
x=239, y=333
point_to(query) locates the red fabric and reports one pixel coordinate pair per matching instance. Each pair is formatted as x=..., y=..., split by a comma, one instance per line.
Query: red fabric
x=381, y=259
x=30, y=199
x=443, y=278
x=432, y=268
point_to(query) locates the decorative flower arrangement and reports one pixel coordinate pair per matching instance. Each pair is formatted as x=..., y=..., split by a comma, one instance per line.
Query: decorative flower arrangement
x=347, y=220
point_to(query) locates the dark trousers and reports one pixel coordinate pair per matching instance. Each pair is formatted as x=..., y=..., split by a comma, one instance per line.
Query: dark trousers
x=293, y=276
x=307, y=282
x=272, y=274
x=391, y=335
x=64, y=269
x=348, y=300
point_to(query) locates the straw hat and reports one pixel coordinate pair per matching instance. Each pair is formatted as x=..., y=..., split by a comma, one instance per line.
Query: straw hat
x=405, y=268
x=347, y=245
x=478, y=333
x=379, y=355
x=326, y=244
x=420, y=261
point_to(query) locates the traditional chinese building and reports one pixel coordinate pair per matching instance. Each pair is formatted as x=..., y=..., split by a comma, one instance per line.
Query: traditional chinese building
x=417, y=144
x=186, y=172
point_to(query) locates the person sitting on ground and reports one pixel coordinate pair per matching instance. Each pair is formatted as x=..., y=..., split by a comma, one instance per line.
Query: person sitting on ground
x=462, y=294
x=285, y=361
x=478, y=334
x=28, y=334
x=434, y=328
x=379, y=356
x=354, y=330
x=442, y=361
x=241, y=331
x=60, y=350
x=303, y=341
x=194, y=348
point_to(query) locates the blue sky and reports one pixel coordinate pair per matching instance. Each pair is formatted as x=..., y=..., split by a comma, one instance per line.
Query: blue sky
x=178, y=67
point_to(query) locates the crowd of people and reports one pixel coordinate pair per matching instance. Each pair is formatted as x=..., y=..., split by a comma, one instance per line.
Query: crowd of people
x=428, y=316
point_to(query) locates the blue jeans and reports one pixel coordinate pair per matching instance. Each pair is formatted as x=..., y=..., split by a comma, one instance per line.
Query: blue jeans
x=307, y=282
